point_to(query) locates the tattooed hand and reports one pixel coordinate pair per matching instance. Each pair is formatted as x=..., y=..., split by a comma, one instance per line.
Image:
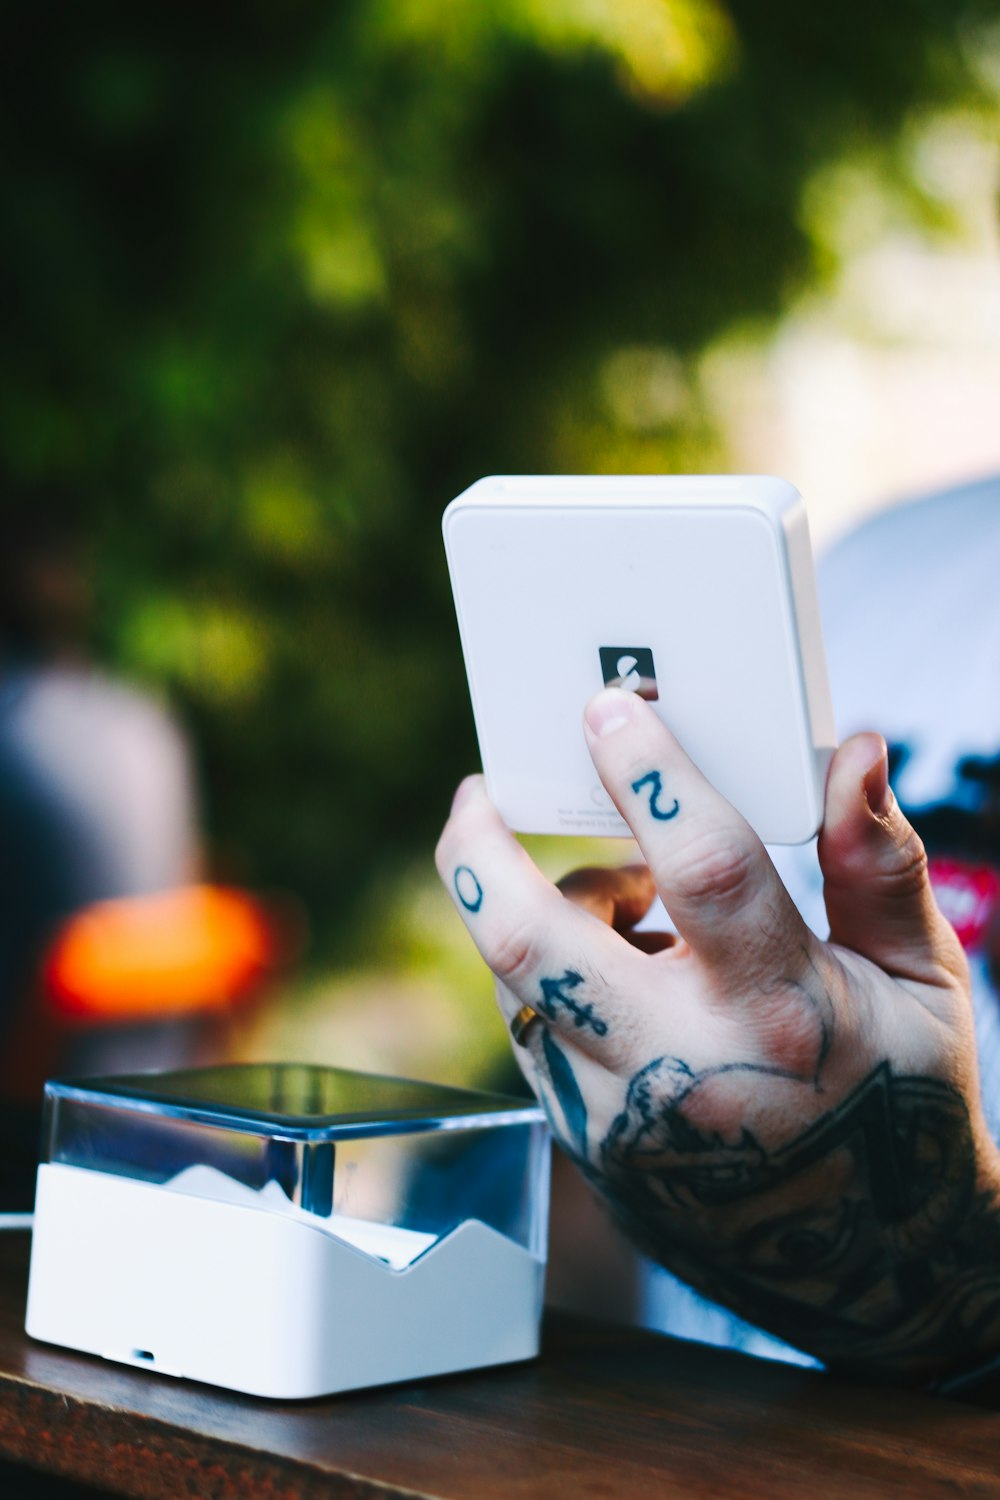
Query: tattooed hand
x=791, y=1125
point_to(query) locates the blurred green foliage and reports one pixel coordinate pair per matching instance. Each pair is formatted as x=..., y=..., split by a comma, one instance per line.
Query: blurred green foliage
x=285, y=277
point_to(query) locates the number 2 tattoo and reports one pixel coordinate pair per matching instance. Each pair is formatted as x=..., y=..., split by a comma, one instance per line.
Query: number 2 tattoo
x=654, y=781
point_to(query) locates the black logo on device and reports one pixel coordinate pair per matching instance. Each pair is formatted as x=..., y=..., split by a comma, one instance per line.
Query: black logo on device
x=631, y=668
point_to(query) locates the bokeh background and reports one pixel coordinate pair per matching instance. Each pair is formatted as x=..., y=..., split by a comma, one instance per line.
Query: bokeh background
x=281, y=279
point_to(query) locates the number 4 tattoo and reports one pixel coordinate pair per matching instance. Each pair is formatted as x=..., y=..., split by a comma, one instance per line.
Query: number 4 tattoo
x=554, y=995
x=654, y=781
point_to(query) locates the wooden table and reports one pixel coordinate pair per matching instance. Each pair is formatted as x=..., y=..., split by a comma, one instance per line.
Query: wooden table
x=607, y=1413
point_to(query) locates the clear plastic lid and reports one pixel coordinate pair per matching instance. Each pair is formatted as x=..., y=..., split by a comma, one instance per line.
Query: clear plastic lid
x=297, y=1101
x=389, y=1164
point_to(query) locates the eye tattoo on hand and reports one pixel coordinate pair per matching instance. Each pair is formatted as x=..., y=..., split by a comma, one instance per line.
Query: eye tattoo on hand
x=654, y=781
x=467, y=888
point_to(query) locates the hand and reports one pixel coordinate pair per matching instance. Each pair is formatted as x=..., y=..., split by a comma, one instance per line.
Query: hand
x=793, y=1126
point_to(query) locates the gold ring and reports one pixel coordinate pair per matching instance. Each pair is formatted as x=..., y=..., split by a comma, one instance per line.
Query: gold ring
x=522, y=1024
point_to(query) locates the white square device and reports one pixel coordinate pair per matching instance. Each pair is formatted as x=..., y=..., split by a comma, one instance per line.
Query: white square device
x=289, y=1230
x=698, y=592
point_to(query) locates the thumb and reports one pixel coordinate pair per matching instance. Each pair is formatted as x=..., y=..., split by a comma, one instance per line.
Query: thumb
x=878, y=894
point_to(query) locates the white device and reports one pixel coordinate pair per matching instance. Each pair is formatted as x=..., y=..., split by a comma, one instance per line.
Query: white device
x=698, y=592
x=289, y=1231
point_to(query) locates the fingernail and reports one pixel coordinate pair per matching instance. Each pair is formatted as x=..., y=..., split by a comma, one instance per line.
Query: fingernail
x=609, y=712
x=876, y=785
x=466, y=790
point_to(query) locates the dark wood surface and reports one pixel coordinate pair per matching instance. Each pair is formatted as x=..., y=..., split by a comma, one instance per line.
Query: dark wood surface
x=607, y=1413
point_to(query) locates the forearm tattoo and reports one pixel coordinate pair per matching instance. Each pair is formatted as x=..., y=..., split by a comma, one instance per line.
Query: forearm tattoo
x=865, y=1238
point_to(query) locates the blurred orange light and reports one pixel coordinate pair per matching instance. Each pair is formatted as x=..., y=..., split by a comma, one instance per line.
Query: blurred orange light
x=139, y=958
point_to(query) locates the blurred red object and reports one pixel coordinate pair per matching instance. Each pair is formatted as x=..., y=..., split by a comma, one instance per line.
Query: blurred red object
x=167, y=955
x=191, y=957
x=968, y=894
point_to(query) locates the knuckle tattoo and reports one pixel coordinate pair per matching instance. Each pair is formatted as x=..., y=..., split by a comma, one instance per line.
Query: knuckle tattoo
x=558, y=992
x=467, y=888
x=662, y=807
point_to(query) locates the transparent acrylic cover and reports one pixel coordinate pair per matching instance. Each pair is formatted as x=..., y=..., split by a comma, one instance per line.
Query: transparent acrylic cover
x=391, y=1165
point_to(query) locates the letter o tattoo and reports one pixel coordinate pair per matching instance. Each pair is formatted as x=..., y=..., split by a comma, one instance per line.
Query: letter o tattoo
x=467, y=888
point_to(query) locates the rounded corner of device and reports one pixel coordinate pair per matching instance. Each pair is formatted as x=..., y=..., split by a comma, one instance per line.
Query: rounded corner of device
x=451, y=510
x=776, y=498
x=472, y=497
x=790, y=830
x=811, y=819
x=802, y=838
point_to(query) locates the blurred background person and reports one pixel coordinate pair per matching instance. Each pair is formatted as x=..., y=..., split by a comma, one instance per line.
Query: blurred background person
x=111, y=955
x=95, y=778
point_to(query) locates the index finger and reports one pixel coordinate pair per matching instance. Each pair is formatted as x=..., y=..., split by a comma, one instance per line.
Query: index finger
x=553, y=955
x=713, y=873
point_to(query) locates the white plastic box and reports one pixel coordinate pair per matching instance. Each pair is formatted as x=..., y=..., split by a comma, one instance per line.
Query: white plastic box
x=696, y=591
x=289, y=1231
